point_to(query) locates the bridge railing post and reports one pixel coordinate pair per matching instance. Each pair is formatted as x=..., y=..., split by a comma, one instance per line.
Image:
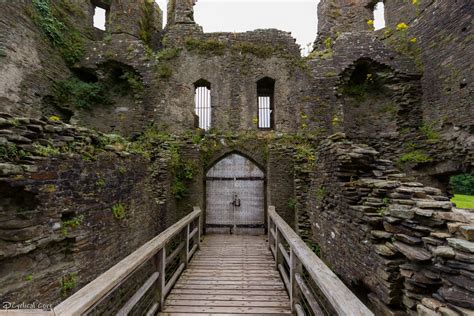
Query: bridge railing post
x=186, y=240
x=277, y=241
x=295, y=268
x=161, y=258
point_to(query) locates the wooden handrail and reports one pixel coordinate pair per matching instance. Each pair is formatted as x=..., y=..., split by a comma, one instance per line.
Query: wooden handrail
x=95, y=291
x=342, y=300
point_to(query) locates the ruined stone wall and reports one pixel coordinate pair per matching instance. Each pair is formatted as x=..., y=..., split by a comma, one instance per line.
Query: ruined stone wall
x=400, y=244
x=70, y=199
x=436, y=36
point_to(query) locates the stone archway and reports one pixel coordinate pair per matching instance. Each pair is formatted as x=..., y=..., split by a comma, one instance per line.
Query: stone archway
x=235, y=196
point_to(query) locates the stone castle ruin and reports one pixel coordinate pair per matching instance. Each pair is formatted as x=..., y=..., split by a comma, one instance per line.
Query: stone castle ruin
x=108, y=137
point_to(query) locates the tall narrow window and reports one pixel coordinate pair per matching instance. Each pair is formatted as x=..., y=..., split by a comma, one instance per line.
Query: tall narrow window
x=379, y=16
x=202, y=101
x=265, y=92
x=99, y=18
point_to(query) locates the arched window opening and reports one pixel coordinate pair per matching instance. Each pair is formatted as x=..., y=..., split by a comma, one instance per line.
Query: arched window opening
x=379, y=15
x=265, y=95
x=202, y=101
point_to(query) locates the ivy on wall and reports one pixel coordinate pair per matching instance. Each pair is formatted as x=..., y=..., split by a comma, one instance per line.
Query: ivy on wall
x=58, y=30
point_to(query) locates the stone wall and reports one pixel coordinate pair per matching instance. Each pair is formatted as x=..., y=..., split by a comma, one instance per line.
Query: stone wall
x=70, y=199
x=400, y=244
x=436, y=36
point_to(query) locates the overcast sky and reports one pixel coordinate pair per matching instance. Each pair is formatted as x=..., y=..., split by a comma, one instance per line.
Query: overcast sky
x=296, y=16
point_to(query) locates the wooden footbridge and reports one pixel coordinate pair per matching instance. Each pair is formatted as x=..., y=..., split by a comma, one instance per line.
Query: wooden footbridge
x=192, y=274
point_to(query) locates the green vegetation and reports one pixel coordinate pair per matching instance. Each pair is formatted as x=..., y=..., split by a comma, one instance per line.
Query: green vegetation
x=80, y=94
x=322, y=54
x=320, y=194
x=405, y=45
x=315, y=248
x=382, y=210
x=292, y=203
x=164, y=71
x=29, y=277
x=146, y=22
x=47, y=151
x=161, y=60
x=462, y=184
x=12, y=152
x=73, y=223
x=68, y=283
x=210, y=46
x=258, y=50
x=183, y=171
x=118, y=210
x=59, y=31
x=463, y=201
x=428, y=129
x=100, y=183
x=134, y=81
x=415, y=156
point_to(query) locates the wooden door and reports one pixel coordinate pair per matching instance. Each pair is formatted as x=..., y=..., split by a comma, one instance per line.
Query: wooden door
x=235, y=197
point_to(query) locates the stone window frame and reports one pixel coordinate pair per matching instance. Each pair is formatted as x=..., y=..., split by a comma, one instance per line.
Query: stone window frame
x=103, y=5
x=264, y=92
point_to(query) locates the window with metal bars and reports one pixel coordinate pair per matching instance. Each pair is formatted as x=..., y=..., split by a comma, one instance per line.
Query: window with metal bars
x=202, y=101
x=265, y=93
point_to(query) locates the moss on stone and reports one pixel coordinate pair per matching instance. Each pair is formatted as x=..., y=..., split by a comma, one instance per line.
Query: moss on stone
x=59, y=30
x=209, y=46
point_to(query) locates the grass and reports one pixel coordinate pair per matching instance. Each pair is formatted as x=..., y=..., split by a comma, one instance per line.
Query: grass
x=463, y=201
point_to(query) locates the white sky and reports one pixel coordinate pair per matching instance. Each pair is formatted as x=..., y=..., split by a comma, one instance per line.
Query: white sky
x=296, y=16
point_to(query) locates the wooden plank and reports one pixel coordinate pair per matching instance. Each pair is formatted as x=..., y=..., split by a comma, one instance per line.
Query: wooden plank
x=339, y=296
x=281, y=292
x=174, y=278
x=255, y=277
x=152, y=311
x=227, y=309
x=221, y=303
x=162, y=277
x=284, y=253
x=86, y=297
x=299, y=310
x=138, y=295
x=194, y=232
x=193, y=250
x=217, y=314
x=222, y=297
x=175, y=253
x=308, y=295
x=230, y=287
x=284, y=276
x=228, y=282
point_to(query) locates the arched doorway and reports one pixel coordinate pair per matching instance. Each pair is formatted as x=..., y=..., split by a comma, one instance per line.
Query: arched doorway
x=235, y=199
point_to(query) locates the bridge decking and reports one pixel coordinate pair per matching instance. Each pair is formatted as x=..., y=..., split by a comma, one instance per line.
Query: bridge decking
x=229, y=275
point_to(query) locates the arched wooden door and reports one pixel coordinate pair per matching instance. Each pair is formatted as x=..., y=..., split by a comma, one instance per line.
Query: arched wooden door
x=235, y=197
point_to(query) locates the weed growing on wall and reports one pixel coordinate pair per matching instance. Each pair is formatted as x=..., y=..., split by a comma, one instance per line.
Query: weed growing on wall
x=61, y=34
x=415, y=156
x=118, y=210
x=47, y=151
x=80, y=94
x=292, y=202
x=429, y=130
x=71, y=224
x=11, y=152
x=146, y=22
x=207, y=47
x=68, y=283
